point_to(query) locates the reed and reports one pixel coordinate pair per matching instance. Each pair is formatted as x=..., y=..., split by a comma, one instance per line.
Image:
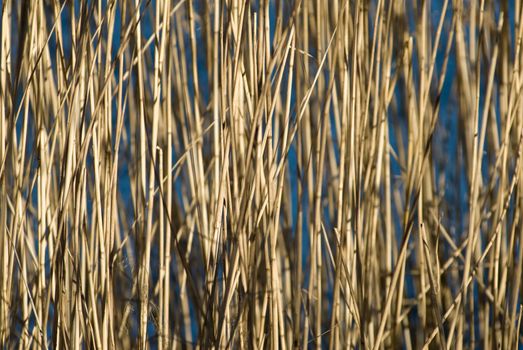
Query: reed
x=179, y=174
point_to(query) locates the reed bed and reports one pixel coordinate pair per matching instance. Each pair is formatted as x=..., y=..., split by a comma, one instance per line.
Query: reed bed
x=179, y=174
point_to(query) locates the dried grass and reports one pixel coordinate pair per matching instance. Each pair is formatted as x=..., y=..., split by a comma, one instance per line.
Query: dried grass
x=261, y=174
